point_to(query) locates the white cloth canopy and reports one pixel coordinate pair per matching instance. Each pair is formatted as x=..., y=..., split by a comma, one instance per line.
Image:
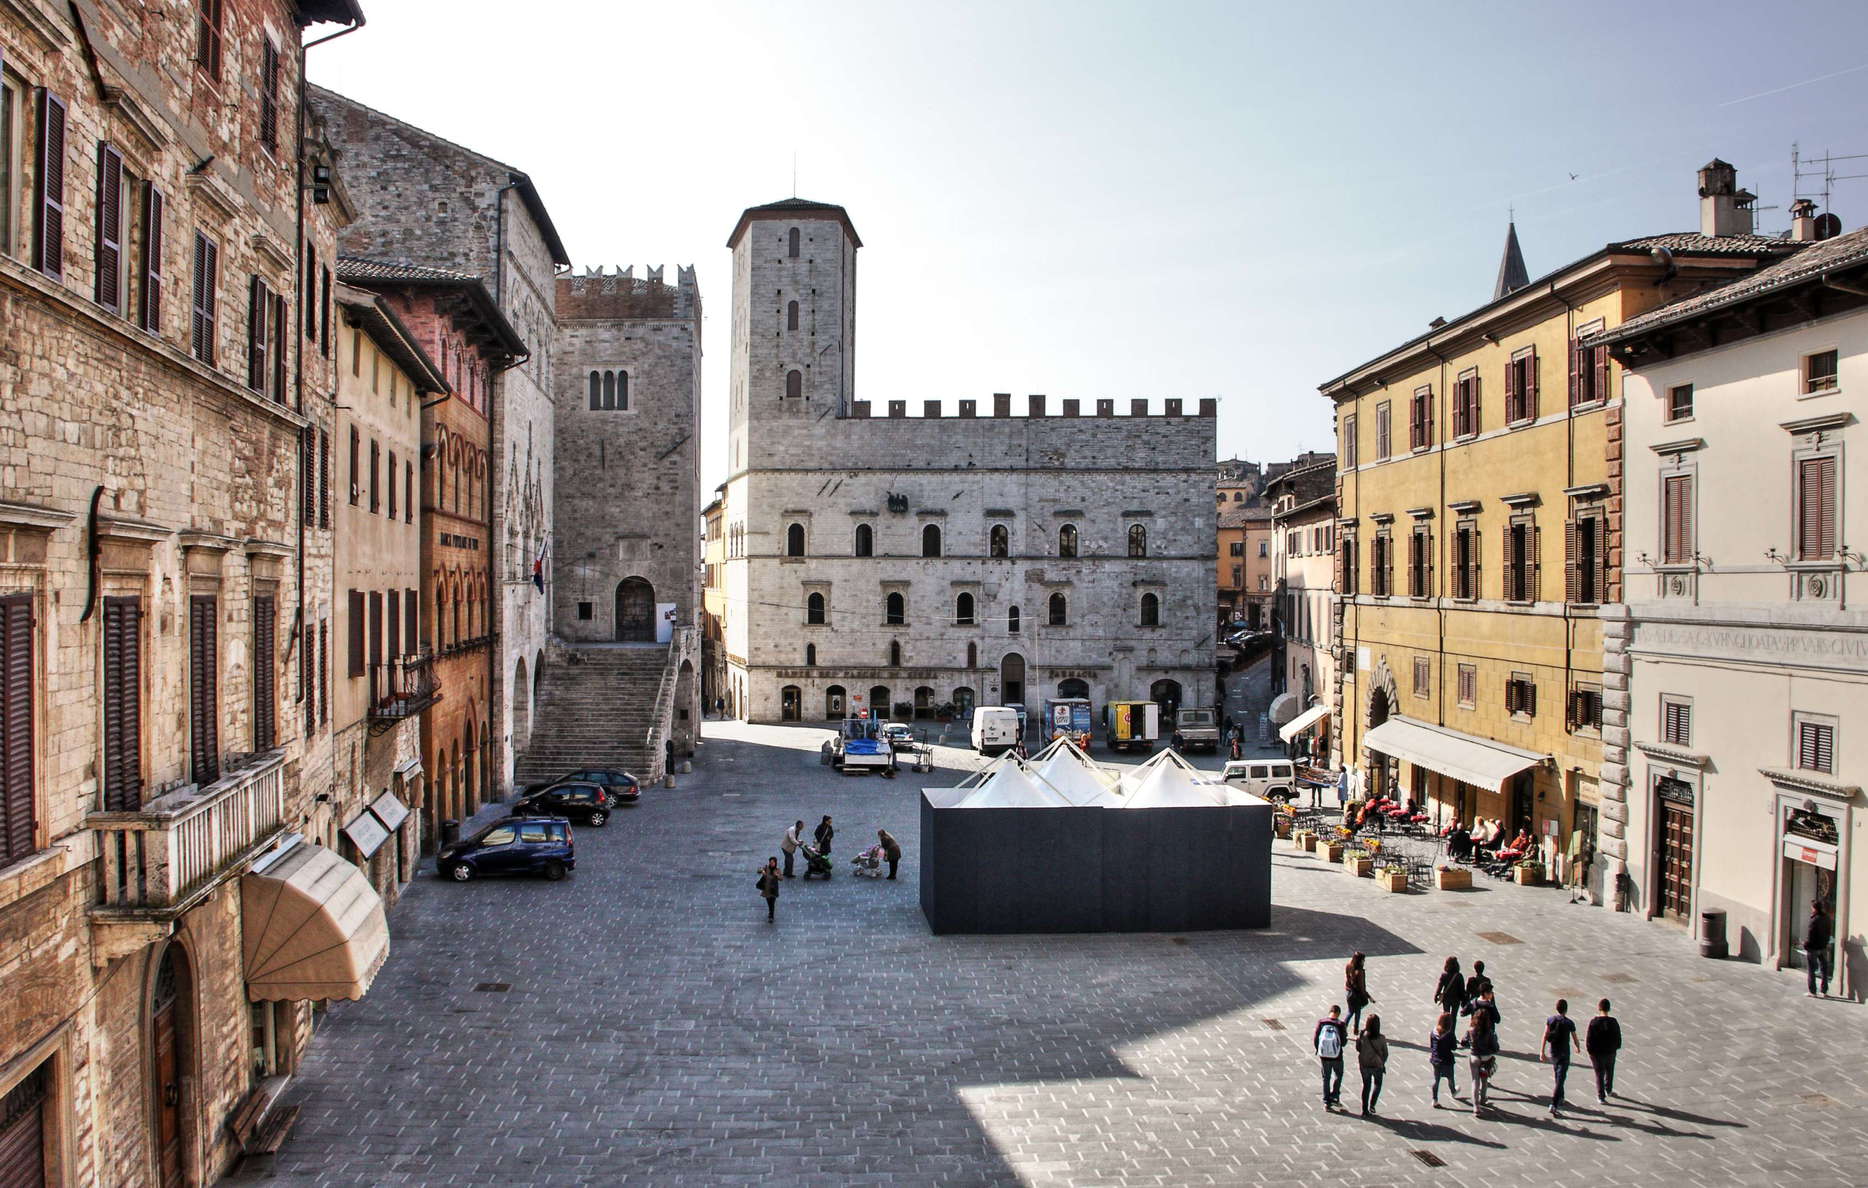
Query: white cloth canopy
x=1013, y=786
x=1303, y=722
x=1464, y=757
x=1170, y=782
x=1073, y=774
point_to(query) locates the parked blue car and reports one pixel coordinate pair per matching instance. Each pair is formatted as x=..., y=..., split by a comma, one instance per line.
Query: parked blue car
x=512, y=845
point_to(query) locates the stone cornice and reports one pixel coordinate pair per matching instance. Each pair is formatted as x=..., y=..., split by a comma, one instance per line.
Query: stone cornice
x=1810, y=781
x=1672, y=754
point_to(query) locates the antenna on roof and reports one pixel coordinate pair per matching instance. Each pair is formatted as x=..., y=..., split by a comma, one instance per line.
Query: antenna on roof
x=794, y=173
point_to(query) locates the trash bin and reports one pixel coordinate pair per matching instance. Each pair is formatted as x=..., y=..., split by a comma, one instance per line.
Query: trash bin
x=1712, y=933
x=450, y=832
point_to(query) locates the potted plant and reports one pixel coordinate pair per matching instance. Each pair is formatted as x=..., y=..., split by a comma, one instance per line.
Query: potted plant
x=1358, y=864
x=1306, y=840
x=1330, y=849
x=1529, y=874
x=1453, y=878
x=1392, y=878
x=1281, y=824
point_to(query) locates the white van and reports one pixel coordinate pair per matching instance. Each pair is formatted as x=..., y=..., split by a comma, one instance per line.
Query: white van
x=995, y=729
x=1273, y=779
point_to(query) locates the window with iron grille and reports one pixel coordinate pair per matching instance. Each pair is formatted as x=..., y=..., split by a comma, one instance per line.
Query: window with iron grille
x=1521, y=695
x=1816, y=744
x=1469, y=685
x=1676, y=721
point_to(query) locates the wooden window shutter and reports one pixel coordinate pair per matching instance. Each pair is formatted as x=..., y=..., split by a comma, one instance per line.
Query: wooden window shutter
x=48, y=244
x=1529, y=394
x=1511, y=696
x=1601, y=363
x=392, y=622
x=356, y=632
x=109, y=290
x=265, y=674
x=308, y=301
x=1816, y=509
x=408, y=491
x=203, y=332
x=149, y=310
x=324, y=672
x=1576, y=372
x=259, y=304
x=269, y=97
x=308, y=475
x=123, y=736
x=280, y=335
x=392, y=484
x=324, y=479
x=204, y=749
x=16, y=721
x=1572, y=562
x=324, y=310
x=1476, y=554
x=1816, y=746
x=1511, y=390
x=1537, y=565
x=410, y=615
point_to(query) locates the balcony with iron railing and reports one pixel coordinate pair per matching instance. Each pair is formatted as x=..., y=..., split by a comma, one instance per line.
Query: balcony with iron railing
x=401, y=688
x=162, y=859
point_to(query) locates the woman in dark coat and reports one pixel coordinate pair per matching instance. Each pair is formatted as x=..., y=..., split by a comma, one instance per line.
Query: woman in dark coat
x=768, y=887
x=891, y=849
x=1450, y=993
x=824, y=834
x=1356, y=991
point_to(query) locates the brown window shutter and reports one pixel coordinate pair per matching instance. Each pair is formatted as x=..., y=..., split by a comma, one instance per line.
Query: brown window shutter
x=17, y=819
x=1511, y=390
x=197, y=338
x=279, y=337
x=48, y=244
x=1537, y=565
x=259, y=304
x=203, y=332
x=392, y=621
x=376, y=628
x=1511, y=697
x=308, y=296
x=410, y=607
x=408, y=491
x=308, y=475
x=265, y=674
x=1572, y=568
x=123, y=712
x=1529, y=394
x=391, y=472
x=1577, y=364
x=109, y=289
x=324, y=479
x=356, y=632
x=204, y=748
x=324, y=311
x=1527, y=700
x=1476, y=553
x=150, y=310
x=1816, y=509
x=1601, y=362
x=324, y=672
x=269, y=97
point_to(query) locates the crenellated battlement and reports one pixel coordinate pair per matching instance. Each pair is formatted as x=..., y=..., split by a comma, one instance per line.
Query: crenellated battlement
x=600, y=293
x=1036, y=407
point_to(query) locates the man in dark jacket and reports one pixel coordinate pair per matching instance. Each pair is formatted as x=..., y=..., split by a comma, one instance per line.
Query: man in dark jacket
x=891, y=849
x=1816, y=938
x=1602, y=1041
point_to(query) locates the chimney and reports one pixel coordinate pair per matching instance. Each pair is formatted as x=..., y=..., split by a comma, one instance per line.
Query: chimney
x=1724, y=209
x=1803, y=221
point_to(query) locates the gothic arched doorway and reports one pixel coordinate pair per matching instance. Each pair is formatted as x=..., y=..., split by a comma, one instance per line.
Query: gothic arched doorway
x=1074, y=687
x=834, y=703
x=790, y=703
x=1167, y=695
x=171, y=1019
x=1012, y=679
x=1379, y=774
x=635, y=611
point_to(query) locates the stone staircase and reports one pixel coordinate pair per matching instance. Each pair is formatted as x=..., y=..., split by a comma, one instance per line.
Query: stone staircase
x=598, y=705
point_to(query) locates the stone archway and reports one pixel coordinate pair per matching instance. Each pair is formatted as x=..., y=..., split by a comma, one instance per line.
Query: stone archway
x=635, y=611
x=1384, y=695
x=1012, y=679
x=171, y=1040
x=521, y=706
x=686, y=709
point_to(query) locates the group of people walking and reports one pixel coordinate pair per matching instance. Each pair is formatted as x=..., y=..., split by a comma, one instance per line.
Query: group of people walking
x=1457, y=996
x=817, y=850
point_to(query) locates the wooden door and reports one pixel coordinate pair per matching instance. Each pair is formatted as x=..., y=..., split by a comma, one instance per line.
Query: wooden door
x=22, y=1132
x=635, y=611
x=1674, y=838
x=168, y=1087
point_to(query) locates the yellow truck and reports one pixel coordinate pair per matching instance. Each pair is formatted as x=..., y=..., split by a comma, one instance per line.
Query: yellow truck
x=1131, y=724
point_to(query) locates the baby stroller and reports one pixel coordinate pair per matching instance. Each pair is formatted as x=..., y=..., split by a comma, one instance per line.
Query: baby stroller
x=869, y=863
x=815, y=862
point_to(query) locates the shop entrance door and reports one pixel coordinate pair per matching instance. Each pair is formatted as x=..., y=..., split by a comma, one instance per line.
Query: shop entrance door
x=1673, y=841
x=1806, y=885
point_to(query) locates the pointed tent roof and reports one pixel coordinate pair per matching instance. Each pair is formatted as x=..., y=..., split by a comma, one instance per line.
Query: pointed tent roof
x=1013, y=785
x=1074, y=775
x=1172, y=782
x=1512, y=274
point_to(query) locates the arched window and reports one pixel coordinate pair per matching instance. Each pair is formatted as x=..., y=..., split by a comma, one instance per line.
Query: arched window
x=963, y=700
x=791, y=316
x=1067, y=541
x=930, y=541
x=963, y=609
x=1001, y=541
x=794, y=541
x=810, y=655
x=865, y=541
x=1138, y=540
x=794, y=243
x=1236, y=496
x=609, y=389
x=1151, y=610
x=895, y=657
x=1060, y=610
x=814, y=609
x=794, y=384
x=1011, y=621
x=622, y=390
x=596, y=391
x=897, y=609
x=972, y=655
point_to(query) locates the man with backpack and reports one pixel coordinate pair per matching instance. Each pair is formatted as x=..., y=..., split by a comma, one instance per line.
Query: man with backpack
x=1328, y=1040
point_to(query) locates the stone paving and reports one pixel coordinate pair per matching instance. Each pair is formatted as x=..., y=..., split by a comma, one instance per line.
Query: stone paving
x=657, y=1030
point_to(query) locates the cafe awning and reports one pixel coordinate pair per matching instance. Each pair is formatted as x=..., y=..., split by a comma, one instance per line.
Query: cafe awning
x=313, y=927
x=1465, y=757
x=1303, y=722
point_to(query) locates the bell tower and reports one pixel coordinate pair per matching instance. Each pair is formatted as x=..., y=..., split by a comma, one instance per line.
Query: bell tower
x=794, y=321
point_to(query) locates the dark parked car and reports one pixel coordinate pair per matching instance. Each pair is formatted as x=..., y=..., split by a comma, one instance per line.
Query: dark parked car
x=512, y=845
x=624, y=788
x=589, y=803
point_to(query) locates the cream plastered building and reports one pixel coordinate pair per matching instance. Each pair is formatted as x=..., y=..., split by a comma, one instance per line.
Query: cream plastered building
x=1478, y=494
x=1739, y=749
x=1303, y=537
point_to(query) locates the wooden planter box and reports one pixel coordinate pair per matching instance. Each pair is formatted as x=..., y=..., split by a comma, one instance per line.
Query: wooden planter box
x=1331, y=851
x=1528, y=874
x=1457, y=879
x=1305, y=839
x=1392, y=880
x=1359, y=868
x=1281, y=825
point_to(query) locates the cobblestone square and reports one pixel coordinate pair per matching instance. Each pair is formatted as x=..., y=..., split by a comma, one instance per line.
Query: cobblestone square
x=655, y=1029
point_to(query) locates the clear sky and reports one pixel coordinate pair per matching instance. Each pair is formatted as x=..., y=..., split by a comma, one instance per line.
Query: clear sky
x=1090, y=199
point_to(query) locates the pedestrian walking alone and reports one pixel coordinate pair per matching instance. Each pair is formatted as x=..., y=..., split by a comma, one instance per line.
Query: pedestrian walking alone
x=1372, y=1058
x=768, y=887
x=1816, y=937
x=1484, y=1060
x=823, y=835
x=1328, y=1043
x=1356, y=990
x=1602, y=1041
x=1450, y=991
x=1559, y=1041
x=791, y=843
x=891, y=849
x=1443, y=1054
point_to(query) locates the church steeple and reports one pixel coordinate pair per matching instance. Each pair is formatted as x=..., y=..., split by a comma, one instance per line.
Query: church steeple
x=1511, y=273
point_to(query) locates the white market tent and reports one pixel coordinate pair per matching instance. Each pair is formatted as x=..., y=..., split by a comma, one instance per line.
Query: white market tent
x=1078, y=778
x=1168, y=781
x=1013, y=785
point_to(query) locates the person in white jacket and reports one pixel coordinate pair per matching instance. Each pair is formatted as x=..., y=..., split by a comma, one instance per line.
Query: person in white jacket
x=790, y=844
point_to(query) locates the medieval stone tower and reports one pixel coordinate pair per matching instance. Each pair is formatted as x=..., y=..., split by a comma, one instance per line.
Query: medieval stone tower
x=794, y=320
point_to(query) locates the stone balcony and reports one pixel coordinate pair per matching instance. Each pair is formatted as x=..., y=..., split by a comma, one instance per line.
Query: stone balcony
x=165, y=857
